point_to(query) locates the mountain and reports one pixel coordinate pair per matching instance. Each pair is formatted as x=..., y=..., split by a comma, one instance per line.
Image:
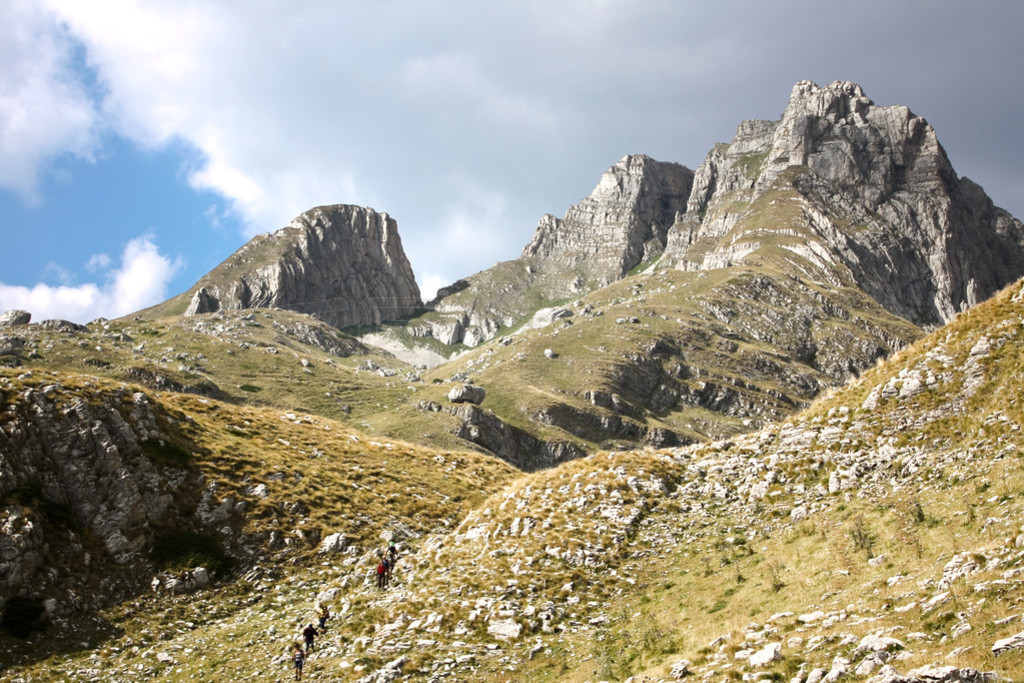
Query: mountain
x=341, y=264
x=620, y=226
x=757, y=421
x=807, y=249
x=874, y=536
x=843, y=190
x=840, y=191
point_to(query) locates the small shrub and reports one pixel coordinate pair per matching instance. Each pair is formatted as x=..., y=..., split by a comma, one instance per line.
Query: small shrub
x=252, y=388
x=166, y=453
x=184, y=549
x=862, y=537
x=775, y=569
x=917, y=512
x=22, y=616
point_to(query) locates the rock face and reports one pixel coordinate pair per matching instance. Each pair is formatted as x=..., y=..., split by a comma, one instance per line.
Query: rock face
x=15, y=317
x=851, y=191
x=623, y=223
x=342, y=264
x=81, y=486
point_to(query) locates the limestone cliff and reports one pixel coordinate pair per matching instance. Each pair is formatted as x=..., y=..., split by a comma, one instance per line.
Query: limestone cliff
x=622, y=224
x=841, y=189
x=86, y=478
x=342, y=264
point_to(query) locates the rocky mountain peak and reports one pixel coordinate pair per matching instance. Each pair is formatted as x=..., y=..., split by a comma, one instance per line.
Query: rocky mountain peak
x=839, y=133
x=624, y=221
x=849, y=191
x=340, y=263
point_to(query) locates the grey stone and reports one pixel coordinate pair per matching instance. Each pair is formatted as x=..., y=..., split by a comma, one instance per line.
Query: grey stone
x=467, y=393
x=504, y=629
x=334, y=543
x=879, y=168
x=15, y=317
x=342, y=264
x=1014, y=642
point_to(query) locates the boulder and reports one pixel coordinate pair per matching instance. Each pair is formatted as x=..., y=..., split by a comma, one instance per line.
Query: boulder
x=679, y=670
x=770, y=653
x=15, y=317
x=1014, y=642
x=201, y=577
x=467, y=393
x=877, y=643
x=335, y=543
x=504, y=629
x=546, y=316
x=948, y=674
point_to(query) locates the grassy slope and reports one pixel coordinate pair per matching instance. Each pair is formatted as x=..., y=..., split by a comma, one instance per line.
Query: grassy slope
x=318, y=478
x=670, y=556
x=595, y=352
x=251, y=358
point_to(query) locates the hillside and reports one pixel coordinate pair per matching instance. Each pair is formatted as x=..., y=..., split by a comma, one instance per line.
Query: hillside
x=268, y=358
x=879, y=528
x=813, y=245
x=756, y=421
x=108, y=487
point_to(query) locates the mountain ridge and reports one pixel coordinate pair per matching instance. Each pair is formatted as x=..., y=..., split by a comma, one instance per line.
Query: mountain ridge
x=750, y=467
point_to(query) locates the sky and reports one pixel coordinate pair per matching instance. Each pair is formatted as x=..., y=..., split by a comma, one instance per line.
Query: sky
x=143, y=141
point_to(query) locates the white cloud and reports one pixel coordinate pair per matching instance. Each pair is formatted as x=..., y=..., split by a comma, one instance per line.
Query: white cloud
x=139, y=281
x=252, y=91
x=429, y=283
x=98, y=263
x=394, y=105
x=45, y=110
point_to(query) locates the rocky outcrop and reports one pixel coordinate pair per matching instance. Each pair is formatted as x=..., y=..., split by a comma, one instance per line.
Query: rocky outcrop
x=85, y=481
x=15, y=317
x=467, y=393
x=846, y=190
x=342, y=264
x=623, y=223
x=511, y=444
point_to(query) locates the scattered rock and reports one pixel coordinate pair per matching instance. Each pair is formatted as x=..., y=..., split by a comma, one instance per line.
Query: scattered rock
x=1014, y=642
x=504, y=629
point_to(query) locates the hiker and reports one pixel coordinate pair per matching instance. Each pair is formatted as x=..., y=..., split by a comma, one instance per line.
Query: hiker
x=392, y=556
x=298, y=658
x=309, y=633
x=382, y=574
x=323, y=614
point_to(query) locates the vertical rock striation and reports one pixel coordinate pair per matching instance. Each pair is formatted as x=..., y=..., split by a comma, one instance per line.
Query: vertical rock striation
x=623, y=223
x=851, y=192
x=342, y=264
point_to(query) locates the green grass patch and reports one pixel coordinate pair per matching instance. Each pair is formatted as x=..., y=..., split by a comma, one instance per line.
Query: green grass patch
x=166, y=453
x=185, y=549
